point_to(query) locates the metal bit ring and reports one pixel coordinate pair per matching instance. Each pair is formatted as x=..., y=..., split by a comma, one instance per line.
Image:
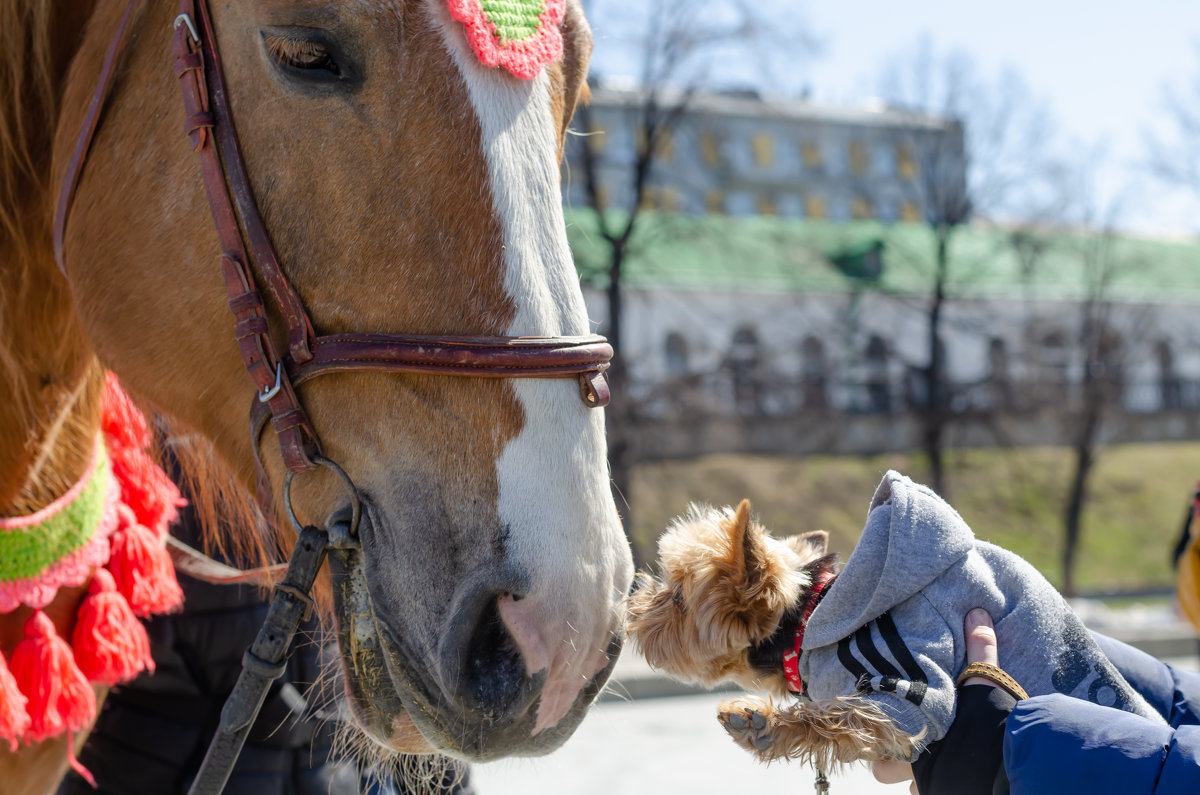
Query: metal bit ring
x=355, y=502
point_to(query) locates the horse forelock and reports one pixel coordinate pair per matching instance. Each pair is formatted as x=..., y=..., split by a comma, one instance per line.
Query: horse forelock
x=46, y=422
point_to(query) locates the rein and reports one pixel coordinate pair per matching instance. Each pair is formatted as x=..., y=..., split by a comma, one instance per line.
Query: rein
x=252, y=275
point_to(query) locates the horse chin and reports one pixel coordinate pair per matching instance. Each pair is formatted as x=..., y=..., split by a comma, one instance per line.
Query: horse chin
x=404, y=738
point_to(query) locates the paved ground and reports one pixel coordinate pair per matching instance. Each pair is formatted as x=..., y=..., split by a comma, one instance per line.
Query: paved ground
x=652, y=736
x=663, y=746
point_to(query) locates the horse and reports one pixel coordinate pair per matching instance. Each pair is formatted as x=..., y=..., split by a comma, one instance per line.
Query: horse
x=408, y=184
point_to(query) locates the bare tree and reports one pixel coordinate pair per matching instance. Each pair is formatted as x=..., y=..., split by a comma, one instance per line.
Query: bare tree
x=974, y=147
x=1103, y=339
x=1174, y=157
x=675, y=44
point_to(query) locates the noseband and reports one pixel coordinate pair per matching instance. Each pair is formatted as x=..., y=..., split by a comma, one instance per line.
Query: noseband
x=244, y=244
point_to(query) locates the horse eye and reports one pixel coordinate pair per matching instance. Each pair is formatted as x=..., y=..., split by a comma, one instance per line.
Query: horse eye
x=306, y=57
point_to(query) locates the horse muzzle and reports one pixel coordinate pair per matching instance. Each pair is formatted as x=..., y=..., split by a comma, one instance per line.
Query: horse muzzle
x=473, y=697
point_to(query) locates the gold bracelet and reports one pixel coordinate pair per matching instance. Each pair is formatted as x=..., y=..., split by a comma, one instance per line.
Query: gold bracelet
x=996, y=675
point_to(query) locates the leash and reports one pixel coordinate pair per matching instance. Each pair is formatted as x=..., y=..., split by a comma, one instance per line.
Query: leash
x=791, y=659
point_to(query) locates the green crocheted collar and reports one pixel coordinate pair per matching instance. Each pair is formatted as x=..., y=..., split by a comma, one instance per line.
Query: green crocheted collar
x=29, y=545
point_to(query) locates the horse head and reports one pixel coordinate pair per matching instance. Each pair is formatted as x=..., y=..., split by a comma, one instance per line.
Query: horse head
x=407, y=188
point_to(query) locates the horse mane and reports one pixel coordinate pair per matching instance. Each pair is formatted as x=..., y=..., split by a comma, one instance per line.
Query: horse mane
x=38, y=38
x=29, y=62
x=230, y=522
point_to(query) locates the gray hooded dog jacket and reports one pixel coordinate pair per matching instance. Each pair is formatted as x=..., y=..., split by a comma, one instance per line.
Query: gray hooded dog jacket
x=890, y=627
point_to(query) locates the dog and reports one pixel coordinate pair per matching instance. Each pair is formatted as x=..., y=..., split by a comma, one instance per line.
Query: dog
x=873, y=651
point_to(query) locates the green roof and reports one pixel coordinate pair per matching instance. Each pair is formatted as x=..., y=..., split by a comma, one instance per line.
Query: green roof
x=764, y=254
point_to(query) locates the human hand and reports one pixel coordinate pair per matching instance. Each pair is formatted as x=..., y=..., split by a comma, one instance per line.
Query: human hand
x=980, y=638
x=981, y=643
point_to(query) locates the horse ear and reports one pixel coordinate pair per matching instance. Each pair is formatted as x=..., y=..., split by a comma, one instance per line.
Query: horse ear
x=577, y=52
x=809, y=545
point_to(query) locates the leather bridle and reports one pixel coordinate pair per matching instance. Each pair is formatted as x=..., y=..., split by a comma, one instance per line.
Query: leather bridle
x=247, y=252
x=245, y=242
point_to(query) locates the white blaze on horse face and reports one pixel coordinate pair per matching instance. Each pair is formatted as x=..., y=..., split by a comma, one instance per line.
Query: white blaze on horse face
x=554, y=494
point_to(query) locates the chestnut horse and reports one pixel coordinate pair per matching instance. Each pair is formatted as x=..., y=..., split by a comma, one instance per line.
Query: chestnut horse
x=407, y=188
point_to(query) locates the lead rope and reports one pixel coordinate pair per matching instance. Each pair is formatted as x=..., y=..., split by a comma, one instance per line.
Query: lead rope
x=264, y=662
x=266, y=659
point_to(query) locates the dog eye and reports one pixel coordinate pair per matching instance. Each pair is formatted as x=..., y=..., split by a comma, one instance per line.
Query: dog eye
x=304, y=57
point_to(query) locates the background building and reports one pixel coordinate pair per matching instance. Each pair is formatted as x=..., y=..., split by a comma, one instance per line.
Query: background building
x=737, y=154
x=750, y=334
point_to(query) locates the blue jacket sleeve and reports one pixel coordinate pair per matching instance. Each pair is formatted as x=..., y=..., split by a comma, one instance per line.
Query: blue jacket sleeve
x=1055, y=743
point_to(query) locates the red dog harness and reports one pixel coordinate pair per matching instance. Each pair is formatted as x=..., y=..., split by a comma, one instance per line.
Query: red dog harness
x=791, y=659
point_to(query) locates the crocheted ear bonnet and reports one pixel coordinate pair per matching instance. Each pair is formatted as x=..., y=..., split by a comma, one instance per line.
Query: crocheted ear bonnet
x=521, y=36
x=108, y=532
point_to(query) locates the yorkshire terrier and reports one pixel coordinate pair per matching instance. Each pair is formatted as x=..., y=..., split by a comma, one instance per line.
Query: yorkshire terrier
x=873, y=651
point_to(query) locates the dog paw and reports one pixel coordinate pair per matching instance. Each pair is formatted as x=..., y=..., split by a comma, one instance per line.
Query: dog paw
x=748, y=722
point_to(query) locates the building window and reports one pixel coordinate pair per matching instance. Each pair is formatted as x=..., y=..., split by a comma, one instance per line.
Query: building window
x=906, y=161
x=764, y=154
x=858, y=158
x=810, y=154
x=1170, y=385
x=814, y=375
x=676, y=354
x=744, y=359
x=999, y=381
x=909, y=213
x=710, y=149
x=878, y=382
x=765, y=205
x=714, y=201
x=814, y=207
x=861, y=209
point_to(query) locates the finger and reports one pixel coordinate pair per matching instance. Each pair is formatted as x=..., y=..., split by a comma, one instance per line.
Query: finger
x=891, y=771
x=981, y=642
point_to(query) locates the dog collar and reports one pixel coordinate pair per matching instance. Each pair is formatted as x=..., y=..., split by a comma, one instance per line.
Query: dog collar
x=791, y=658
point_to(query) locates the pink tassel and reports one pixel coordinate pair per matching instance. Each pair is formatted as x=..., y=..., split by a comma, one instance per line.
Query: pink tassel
x=142, y=568
x=122, y=422
x=14, y=720
x=59, y=697
x=110, y=644
x=146, y=489
x=144, y=486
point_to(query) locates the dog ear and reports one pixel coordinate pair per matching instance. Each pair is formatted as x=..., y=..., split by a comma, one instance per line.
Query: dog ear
x=809, y=545
x=654, y=621
x=746, y=549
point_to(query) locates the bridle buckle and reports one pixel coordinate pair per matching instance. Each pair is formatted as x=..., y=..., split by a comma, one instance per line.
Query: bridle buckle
x=184, y=19
x=266, y=395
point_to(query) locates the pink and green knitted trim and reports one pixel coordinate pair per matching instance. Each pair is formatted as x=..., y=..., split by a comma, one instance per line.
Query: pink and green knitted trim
x=520, y=35
x=59, y=545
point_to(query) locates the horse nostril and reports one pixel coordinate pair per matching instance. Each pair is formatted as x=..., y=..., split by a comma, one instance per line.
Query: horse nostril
x=494, y=671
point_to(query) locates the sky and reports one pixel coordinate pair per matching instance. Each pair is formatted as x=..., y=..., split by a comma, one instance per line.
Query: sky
x=1101, y=67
